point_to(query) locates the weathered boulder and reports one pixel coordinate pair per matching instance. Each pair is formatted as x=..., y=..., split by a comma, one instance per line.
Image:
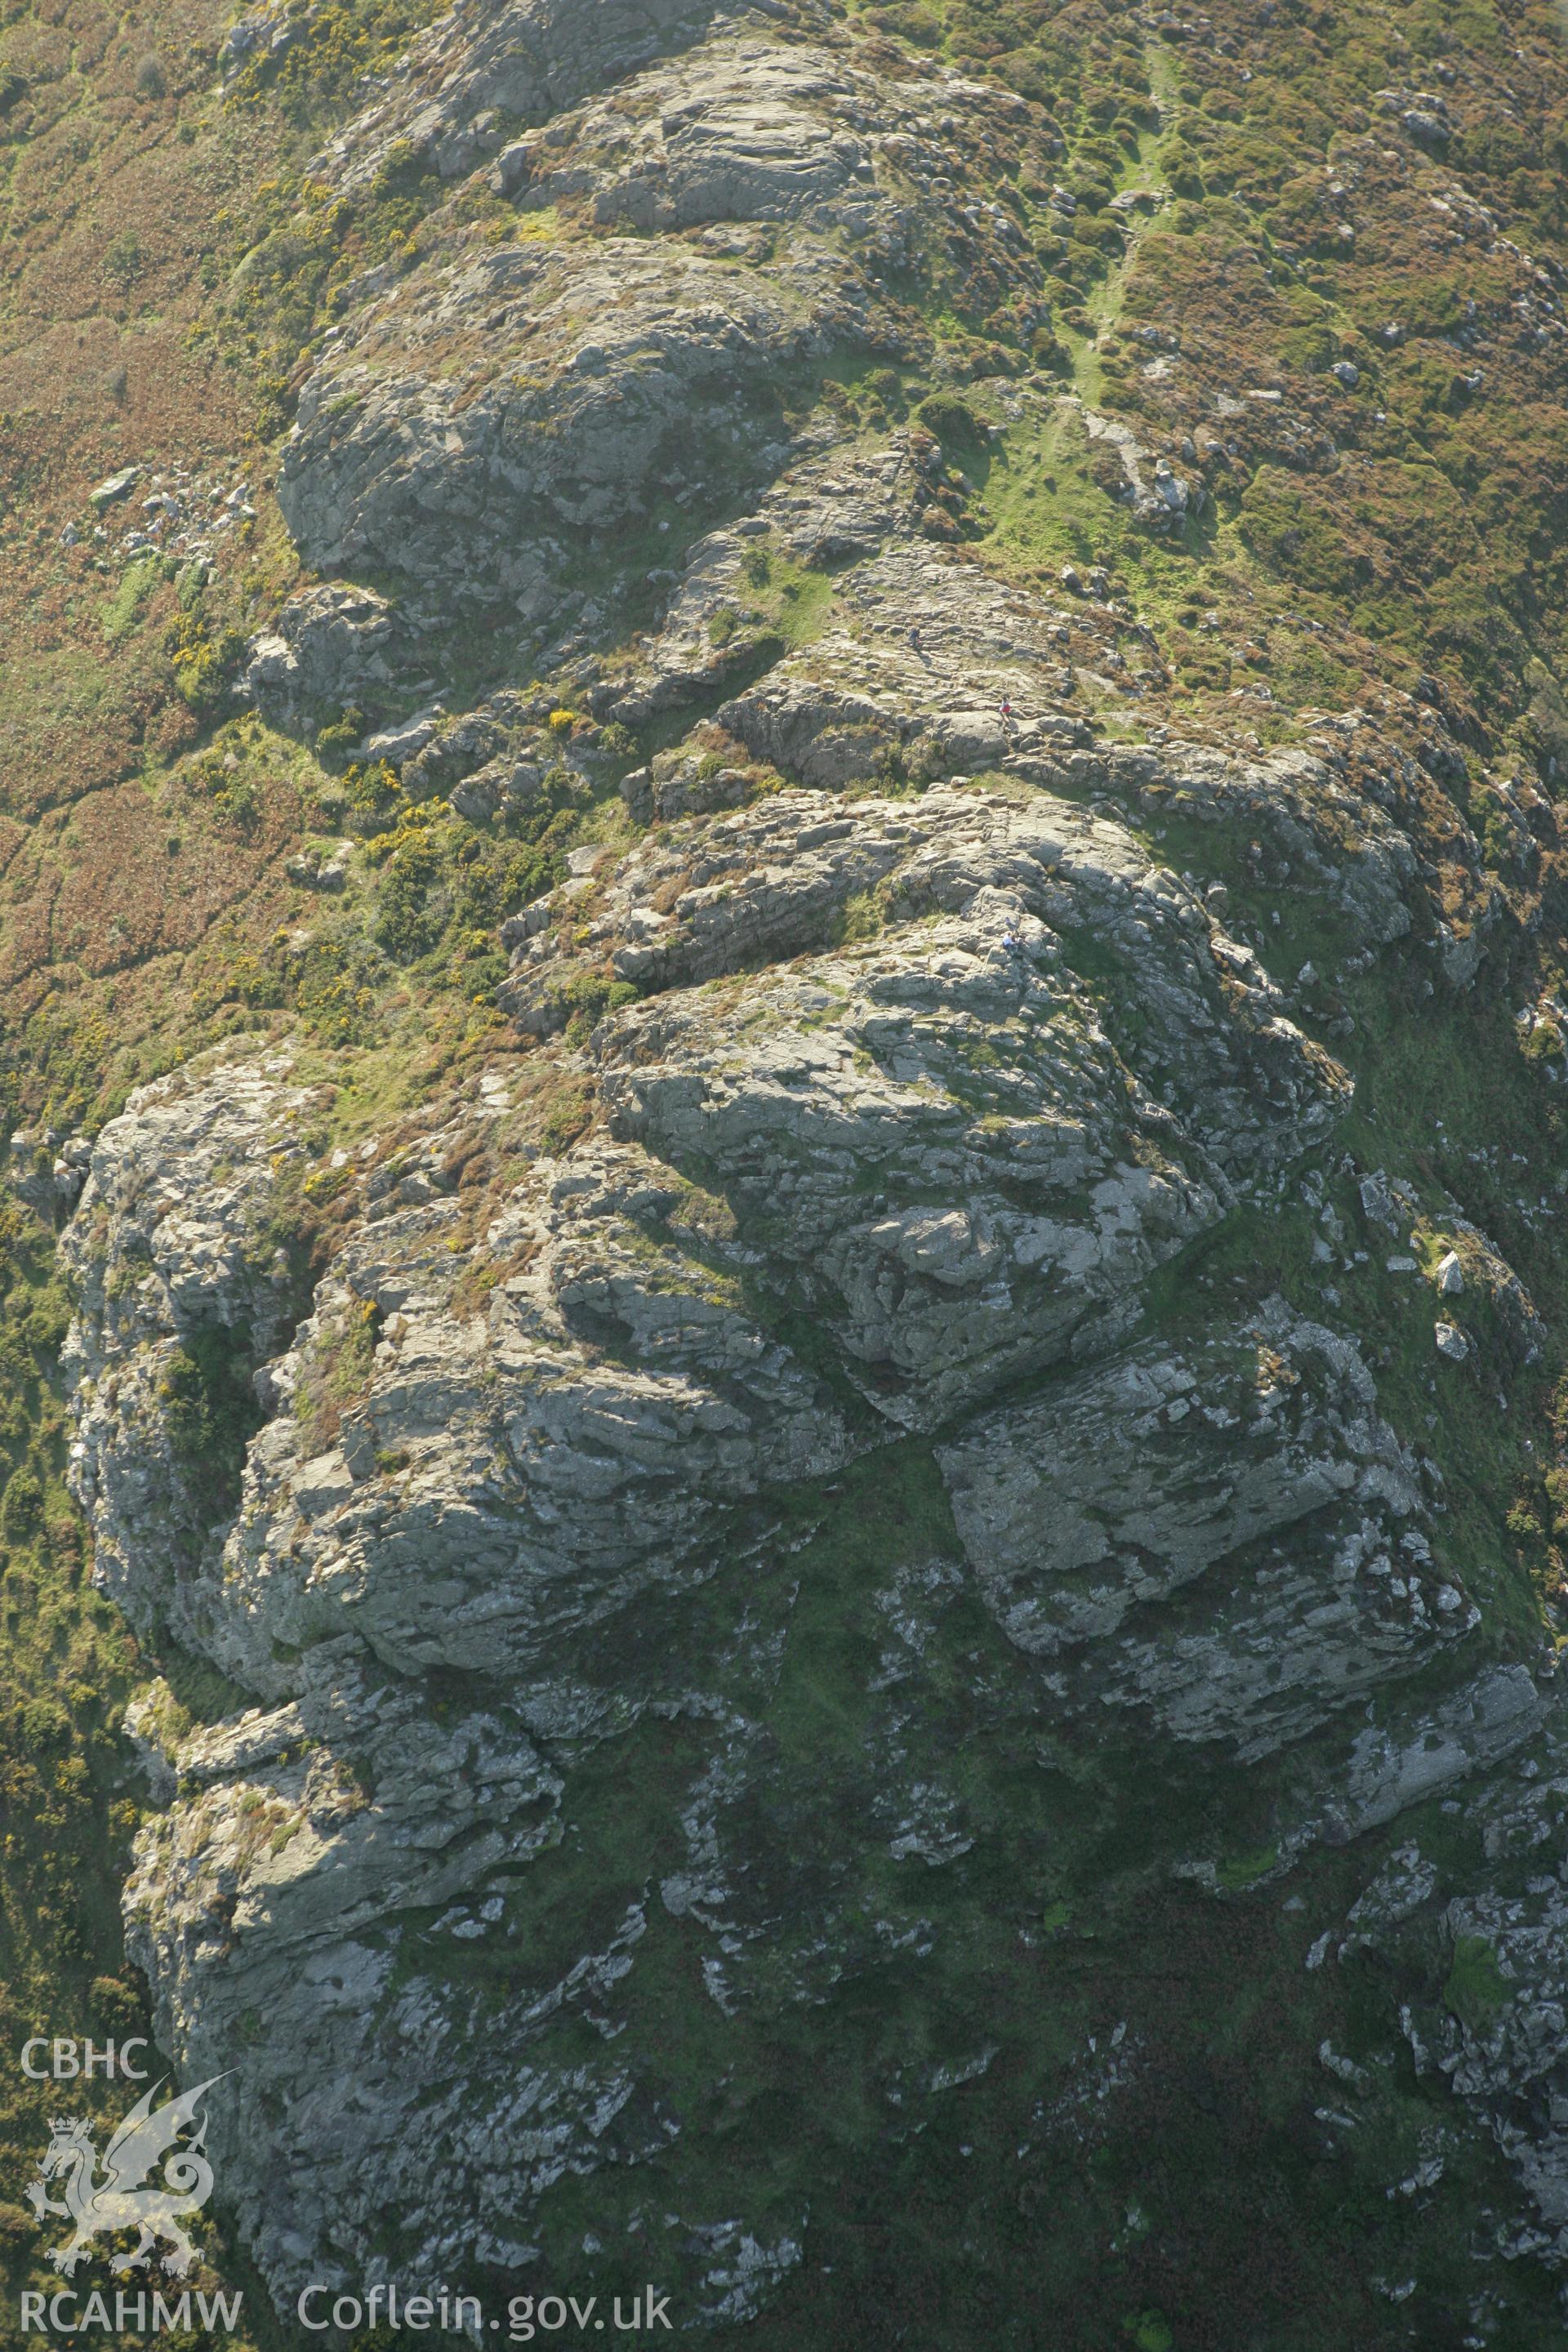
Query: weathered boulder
x=1254, y=1461
x=330, y=648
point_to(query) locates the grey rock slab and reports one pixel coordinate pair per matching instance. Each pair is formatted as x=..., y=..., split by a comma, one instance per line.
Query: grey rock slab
x=932, y=1132
x=1254, y=1460
x=471, y=417
x=168, y=1248
x=330, y=647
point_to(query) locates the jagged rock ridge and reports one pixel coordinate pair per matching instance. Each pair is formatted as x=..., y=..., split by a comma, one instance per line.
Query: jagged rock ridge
x=935, y=1078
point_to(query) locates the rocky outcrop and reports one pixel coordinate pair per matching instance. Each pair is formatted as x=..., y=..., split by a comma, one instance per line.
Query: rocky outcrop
x=182, y=1285
x=490, y=1492
x=511, y=1495
x=1493, y=1939
x=330, y=648
x=262, y=1910
x=464, y=422
x=526, y=59
x=668, y=1530
x=936, y=1126
x=534, y=1460
x=1256, y=1462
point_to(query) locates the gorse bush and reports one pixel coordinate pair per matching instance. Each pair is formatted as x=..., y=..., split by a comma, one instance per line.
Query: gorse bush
x=414, y=904
x=204, y=652
x=333, y=45
x=22, y=1506
x=335, y=740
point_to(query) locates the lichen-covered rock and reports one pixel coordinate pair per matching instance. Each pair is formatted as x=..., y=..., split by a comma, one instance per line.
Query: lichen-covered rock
x=260, y=1911
x=1495, y=1940
x=494, y=1489
x=182, y=1287
x=328, y=648
x=620, y=366
x=1504, y=2045
x=1254, y=1461
x=680, y=1546
x=525, y=58
x=463, y=420
x=933, y=1128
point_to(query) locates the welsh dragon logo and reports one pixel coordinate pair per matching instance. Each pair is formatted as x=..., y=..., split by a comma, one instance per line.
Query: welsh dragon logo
x=125, y=2197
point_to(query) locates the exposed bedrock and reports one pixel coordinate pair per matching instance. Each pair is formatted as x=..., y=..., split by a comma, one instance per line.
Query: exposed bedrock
x=688, y=1516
